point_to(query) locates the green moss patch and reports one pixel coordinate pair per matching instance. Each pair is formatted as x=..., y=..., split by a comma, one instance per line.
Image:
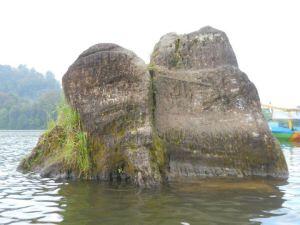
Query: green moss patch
x=64, y=142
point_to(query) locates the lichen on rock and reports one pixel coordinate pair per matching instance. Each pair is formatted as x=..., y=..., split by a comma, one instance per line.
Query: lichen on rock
x=208, y=112
x=190, y=114
x=108, y=86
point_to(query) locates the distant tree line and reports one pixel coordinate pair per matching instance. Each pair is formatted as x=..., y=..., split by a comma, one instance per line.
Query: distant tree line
x=28, y=99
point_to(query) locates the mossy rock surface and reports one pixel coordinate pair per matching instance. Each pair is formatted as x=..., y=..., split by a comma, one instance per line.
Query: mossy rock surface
x=208, y=112
x=47, y=154
x=191, y=114
x=108, y=88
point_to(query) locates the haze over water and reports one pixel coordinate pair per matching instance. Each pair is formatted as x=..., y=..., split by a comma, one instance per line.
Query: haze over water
x=29, y=199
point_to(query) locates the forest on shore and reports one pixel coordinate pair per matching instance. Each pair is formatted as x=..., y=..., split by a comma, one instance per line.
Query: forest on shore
x=28, y=98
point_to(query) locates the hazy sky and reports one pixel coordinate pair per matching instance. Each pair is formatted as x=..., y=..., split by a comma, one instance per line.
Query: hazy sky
x=50, y=34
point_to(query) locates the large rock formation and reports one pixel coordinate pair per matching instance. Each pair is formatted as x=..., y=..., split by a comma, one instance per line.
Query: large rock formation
x=108, y=86
x=208, y=111
x=193, y=114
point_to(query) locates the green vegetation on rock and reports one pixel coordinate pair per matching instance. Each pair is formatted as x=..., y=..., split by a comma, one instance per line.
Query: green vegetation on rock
x=190, y=113
x=63, y=143
x=176, y=57
x=75, y=149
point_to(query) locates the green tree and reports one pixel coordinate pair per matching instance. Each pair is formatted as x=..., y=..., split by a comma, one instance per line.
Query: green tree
x=28, y=99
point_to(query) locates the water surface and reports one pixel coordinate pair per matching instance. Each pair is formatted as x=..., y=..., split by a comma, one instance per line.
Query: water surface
x=29, y=199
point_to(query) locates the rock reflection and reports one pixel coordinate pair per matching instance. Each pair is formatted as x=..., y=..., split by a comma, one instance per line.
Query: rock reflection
x=205, y=202
x=289, y=213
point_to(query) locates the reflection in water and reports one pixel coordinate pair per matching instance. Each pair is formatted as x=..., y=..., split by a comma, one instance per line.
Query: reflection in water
x=289, y=213
x=30, y=199
x=103, y=204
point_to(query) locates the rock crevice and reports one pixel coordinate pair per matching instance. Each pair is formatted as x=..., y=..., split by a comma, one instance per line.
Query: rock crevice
x=191, y=113
x=208, y=111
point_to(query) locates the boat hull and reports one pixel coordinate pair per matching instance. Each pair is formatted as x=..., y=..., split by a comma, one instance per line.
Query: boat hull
x=292, y=137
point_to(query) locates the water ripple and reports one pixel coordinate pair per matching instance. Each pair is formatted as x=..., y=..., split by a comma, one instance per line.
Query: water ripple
x=25, y=198
x=30, y=199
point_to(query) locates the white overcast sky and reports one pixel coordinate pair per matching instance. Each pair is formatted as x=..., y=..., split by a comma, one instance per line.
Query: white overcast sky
x=50, y=34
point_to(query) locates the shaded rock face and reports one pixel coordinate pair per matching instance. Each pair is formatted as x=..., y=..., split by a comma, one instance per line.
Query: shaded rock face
x=109, y=87
x=207, y=110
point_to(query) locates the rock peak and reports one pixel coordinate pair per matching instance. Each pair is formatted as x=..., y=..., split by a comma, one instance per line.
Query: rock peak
x=101, y=47
x=202, y=49
x=210, y=29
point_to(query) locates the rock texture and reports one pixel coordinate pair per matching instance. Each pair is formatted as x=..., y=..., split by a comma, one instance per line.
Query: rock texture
x=106, y=134
x=109, y=88
x=191, y=114
x=207, y=110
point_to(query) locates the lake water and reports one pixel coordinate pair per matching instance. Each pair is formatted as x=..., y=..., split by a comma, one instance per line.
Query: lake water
x=29, y=199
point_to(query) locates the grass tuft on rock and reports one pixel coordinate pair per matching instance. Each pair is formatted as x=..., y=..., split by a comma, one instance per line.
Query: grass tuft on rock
x=70, y=147
x=75, y=150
